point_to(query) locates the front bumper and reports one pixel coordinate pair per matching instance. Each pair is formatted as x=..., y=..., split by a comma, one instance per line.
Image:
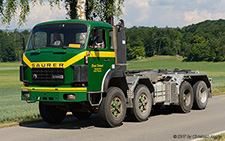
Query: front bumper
x=51, y=94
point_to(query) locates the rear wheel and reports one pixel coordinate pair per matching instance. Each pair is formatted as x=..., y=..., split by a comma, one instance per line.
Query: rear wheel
x=113, y=107
x=186, y=97
x=201, y=94
x=142, y=103
x=51, y=113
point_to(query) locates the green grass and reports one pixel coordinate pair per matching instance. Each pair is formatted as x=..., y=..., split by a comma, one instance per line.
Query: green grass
x=9, y=78
x=12, y=108
x=217, y=138
x=9, y=64
x=214, y=70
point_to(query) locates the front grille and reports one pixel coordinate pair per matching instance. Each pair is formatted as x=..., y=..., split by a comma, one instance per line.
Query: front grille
x=48, y=75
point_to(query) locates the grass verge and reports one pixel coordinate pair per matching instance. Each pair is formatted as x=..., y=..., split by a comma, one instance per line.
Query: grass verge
x=12, y=109
x=216, y=138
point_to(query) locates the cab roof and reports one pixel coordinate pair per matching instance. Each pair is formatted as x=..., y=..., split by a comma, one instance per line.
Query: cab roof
x=90, y=24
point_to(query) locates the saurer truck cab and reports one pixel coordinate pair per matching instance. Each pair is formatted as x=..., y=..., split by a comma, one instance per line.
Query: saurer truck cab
x=80, y=67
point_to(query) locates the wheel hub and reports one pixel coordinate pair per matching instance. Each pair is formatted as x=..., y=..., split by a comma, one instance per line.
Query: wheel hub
x=143, y=103
x=116, y=107
x=202, y=95
x=187, y=98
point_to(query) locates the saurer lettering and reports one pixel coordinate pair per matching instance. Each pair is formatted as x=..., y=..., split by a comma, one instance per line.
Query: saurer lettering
x=48, y=65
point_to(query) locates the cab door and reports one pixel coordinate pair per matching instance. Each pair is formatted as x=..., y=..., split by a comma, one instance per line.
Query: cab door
x=100, y=58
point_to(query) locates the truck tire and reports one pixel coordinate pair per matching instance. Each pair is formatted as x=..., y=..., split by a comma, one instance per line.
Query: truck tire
x=201, y=94
x=82, y=115
x=112, y=109
x=142, y=103
x=51, y=113
x=186, y=97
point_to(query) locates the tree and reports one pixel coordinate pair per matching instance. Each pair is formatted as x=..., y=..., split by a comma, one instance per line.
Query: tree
x=95, y=9
x=102, y=9
x=199, y=52
x=138, y=51
x=7, y=47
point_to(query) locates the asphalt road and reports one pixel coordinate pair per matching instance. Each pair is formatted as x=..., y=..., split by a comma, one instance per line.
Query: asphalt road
x=162, y=125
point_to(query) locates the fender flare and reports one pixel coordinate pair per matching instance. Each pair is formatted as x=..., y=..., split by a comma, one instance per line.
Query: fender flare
x=207, y=80
x=147, y=82
x=109, y=75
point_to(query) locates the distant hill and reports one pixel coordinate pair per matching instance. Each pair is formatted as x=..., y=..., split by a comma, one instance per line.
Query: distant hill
x=204, y=41
x=206, y=26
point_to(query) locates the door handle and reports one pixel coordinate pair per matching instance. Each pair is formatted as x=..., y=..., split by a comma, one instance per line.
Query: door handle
x=107, y=60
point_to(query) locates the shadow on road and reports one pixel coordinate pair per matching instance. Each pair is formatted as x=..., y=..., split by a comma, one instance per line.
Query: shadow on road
x=164, y=110
x=71, y=122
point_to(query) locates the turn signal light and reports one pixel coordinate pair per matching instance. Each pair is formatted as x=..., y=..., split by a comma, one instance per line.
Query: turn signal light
x=25, y=83
x=86, y=60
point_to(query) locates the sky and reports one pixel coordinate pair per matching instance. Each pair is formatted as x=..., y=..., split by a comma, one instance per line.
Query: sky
x=160, y=13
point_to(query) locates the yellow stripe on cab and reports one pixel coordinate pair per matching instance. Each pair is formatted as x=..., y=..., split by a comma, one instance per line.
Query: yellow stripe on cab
x=69, y=62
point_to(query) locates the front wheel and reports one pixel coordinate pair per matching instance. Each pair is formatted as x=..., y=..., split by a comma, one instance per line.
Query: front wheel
x=142, y=103
x=201, y=94
x=112, y=110
x=51, y=113
x=186, y=97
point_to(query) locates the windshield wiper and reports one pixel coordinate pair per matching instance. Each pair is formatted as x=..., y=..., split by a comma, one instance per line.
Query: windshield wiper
x=49, y=46
x=63, y=47
x=60, y=46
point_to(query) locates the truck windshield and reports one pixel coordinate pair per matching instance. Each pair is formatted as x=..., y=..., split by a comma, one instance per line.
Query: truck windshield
x=58, y=35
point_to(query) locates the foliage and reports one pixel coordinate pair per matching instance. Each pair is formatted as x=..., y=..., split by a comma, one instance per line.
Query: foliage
x=136, y=52
x=11, y=45
x=157, y=41
x=95, y=9
x=204, y=41
x=103, y=9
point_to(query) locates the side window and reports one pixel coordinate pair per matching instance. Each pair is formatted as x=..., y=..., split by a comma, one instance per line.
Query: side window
x=97, y=39
x=111, y=39
x=57, y=39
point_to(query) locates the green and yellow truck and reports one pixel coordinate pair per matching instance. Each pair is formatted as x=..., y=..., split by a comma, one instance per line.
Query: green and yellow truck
x=80, y=67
